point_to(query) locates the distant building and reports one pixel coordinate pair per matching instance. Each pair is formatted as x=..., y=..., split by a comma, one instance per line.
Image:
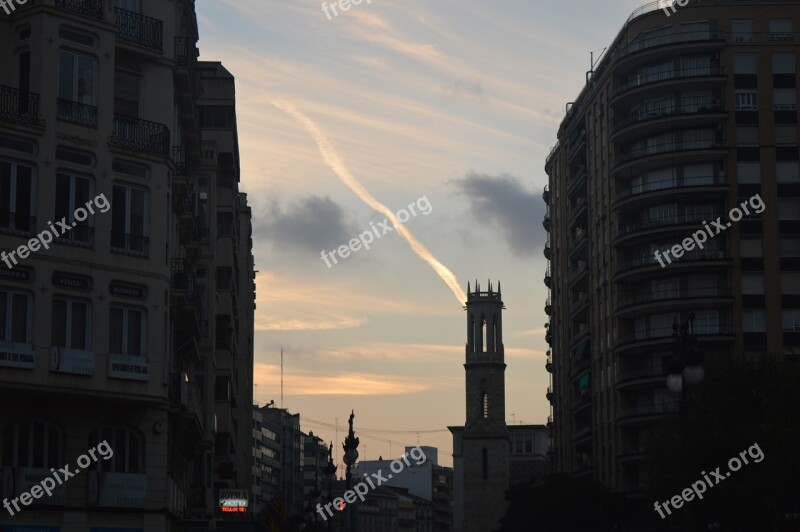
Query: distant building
x=266, y=461
x=287, y=427
x=414, y=514
x=315, y=458
x=428, y=480
x=488, y=455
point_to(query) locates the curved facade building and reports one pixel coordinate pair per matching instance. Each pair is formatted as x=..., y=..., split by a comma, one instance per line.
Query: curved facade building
x=689, y=115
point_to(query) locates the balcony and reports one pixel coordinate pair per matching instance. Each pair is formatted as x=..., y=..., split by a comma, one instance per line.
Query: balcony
x=129, y=244
x=661, y=222
x=548, y=279
x=688, y=183
x=138, y=29
x=548, y=251
x=666, y=335
x=697, y=255
x=669, y=149
x=685, y=75
x=549, y=364
x=653, y=48
x=19, y=106
x=178, y=156
x=546, y=194
x=640, y=374
x=86, y=8
x=546, y=222
x=674, y=295
x=140, y=135
x=17, y=224
x=691, y=115
x=78, y=235
x=76, y=113
x=549, y=394
x=648, y=410
x=548, y=307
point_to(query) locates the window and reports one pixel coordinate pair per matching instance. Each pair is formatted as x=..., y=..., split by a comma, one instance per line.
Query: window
x=746, y=101
x=751, y=246
x=659, y=106
x=745, y=64
x=79, y=157
x=780, y=29
x=128, y=450
x=76, y=36
x=786, y=135
x=71, y=327
x=126, y=331
x=76, y=78
x=485, y=404
x=753, y=283
x=784, y=99
x=790, y=246
x=789, y=208
x=16, y=313
x=16, y=197
x=662, y=212
x=74, y=191
x=127, y=89
x=783, y=64
x=747, y=136
x=129, y=219
x=787, y=171
x=749, y=172
x=791, y=320
x=695, y=139
x=698, y=212
x=706, y=322
x=754, y=320
x=694, y=31
x=698, y=174
x=31, y=443
x=216, y=116
x=693, y=102
x=742, y=30
x=698, y=65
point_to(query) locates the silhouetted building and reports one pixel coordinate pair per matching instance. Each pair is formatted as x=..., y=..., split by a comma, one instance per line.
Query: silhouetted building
x=685, y=118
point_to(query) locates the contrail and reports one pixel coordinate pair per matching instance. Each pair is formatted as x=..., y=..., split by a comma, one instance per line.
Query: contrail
x=332, y=158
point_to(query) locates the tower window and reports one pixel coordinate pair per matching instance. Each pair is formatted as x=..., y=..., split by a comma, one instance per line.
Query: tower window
x=484, y=331
x=485, y=404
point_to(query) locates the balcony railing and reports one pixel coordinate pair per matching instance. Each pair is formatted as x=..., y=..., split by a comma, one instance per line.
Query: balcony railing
x=675, y=112
x=129, y=243
x=663, y=221
x=79, y=235
x=140, y=135
x=86, y=8
x=661, y=333
x=648, y=409
x=139, y=29
x=666, y=295
x=675, y=75
x=179, y=159
x=640, y=373
x=77, y=113
x=672, y=184
x=669, y=39
x=669, y=147
x=17, y=224
x=695, y=255
x=19, y=106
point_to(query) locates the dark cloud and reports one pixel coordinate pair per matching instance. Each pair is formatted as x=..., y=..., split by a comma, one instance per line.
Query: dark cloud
x=504, y=203
x=472, y=89
x=311, y=224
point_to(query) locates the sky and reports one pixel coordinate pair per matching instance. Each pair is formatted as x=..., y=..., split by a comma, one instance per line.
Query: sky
x=345, y=122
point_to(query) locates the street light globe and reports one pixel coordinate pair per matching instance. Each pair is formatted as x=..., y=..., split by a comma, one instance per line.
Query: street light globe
x=694, y=374
x=350, y=456
x=675, y=382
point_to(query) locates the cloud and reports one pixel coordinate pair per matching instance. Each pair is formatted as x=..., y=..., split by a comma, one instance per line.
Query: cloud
x=503, y=202
x=311, y=224
x=304, y=382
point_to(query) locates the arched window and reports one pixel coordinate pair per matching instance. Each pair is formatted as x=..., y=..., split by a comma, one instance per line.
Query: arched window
x=31, y=443
x=485, y=404
x=483, y=334
x=128, y=447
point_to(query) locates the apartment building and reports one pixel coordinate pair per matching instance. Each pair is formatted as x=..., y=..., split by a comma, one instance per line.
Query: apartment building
x=684, y=118
x=290, y=438
x=266, y=461
x=135, y=325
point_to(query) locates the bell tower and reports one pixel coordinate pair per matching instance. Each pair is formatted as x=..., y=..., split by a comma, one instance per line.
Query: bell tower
x=485, y=436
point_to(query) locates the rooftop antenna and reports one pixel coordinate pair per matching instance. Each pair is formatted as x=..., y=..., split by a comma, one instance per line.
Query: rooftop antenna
x=281, y=378
x=594, y=63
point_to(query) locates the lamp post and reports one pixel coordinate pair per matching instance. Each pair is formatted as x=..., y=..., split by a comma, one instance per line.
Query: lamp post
x=350, y=446
x=330, y=475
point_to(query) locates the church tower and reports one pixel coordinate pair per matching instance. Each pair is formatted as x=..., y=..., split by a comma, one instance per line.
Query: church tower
x=485, y=440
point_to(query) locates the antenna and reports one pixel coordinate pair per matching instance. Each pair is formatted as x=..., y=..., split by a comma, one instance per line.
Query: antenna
x=281, y=378
x=256, y=392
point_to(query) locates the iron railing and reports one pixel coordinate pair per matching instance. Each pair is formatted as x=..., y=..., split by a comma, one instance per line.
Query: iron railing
x=86, y=8
x=141, y=135
x=19, y=106
x=78, y=235
x=129, y=243
x=139, y=29
x=77, y=113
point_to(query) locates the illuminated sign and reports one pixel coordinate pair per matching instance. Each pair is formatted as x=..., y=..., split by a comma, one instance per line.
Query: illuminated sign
x=233, y=501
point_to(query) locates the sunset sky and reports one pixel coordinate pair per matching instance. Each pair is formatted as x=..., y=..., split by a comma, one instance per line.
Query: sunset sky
x=454, y=101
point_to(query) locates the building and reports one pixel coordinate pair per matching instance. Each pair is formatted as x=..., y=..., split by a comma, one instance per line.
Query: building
x=480, y=447
x=316, y=456
x=428, y=481
x=528, y=446
x=287, y=427
x=414, y=514
x=134, y=325
x=688, y=115
x=266, y=461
